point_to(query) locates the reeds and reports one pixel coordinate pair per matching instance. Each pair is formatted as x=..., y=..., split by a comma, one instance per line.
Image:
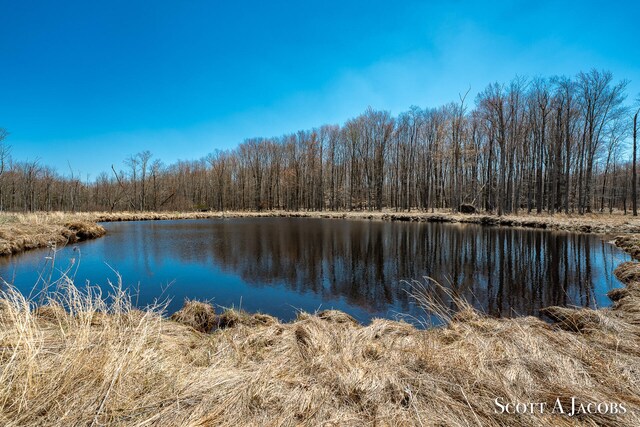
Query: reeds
x=21, y=232
x=80, y=360
x=73, y=356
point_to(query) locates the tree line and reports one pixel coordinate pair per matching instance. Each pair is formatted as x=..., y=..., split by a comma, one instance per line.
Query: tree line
x=551, y=145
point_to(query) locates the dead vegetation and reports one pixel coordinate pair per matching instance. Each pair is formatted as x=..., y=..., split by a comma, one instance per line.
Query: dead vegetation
x=21, y=232
x=196, y=314
x=589, y=223
x=630, y=243
x=77, y=360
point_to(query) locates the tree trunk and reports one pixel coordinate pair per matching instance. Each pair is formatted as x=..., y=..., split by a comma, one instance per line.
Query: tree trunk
x=634, y=198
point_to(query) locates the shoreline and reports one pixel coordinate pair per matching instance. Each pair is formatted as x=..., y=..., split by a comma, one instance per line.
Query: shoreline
x=122, y=366
x=588, y=223
x=114, y=364
x=22, y=232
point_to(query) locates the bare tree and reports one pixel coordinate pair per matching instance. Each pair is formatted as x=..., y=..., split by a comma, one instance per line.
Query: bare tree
x=5, y=150
x=548, y=144
x=143, y=159
x=634, y=179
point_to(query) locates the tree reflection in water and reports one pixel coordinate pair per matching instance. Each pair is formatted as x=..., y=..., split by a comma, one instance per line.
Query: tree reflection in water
x=364, y=264
x=499, y=270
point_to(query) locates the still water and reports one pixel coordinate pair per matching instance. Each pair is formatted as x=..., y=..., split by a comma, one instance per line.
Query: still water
x=281, y=265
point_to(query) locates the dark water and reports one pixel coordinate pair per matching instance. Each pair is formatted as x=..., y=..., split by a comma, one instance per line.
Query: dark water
x=280, y=265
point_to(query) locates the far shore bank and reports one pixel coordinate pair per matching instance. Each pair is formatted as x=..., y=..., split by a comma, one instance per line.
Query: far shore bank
x=588, y=223
x=20, y=232
x=112, y=364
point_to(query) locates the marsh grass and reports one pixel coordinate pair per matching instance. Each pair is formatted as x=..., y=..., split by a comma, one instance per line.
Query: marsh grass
x=72, y=355
x=24, y=231
x=21, y=232
x=84, y=358
x=201, y=316
x=590, y=223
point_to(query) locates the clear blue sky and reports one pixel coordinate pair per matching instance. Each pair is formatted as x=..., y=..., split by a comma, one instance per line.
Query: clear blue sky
x=91, y=82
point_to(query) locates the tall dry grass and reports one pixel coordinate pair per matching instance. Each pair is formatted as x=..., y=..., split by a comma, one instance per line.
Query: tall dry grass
x=20, y=232
x=73, y=356
x=84, y=358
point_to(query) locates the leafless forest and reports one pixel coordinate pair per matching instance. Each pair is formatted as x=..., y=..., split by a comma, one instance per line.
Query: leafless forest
x=533, y=145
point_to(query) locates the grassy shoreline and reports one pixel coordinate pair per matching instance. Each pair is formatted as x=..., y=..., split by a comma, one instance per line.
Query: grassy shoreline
x=21, y=232
x=79, y=360
x=590, y=223
x=93, y=363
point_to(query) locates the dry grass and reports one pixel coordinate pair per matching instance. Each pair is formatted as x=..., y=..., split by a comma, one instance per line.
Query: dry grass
x=590, y=223
x=630, y=243
x=199, y=315
x=608, y=224
x=21, y=232
x=80, y=361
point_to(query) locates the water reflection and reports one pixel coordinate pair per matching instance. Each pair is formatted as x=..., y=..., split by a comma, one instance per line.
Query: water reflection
x=278, y=264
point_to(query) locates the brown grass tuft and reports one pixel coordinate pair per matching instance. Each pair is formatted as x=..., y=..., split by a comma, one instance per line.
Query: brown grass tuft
x=79, y=361
x=232, y=317
x=200, y=316
x=628, y=272
x=52, y=312
x=630, y=243
x=82, y=361
x=83, y=230
x=335, y=316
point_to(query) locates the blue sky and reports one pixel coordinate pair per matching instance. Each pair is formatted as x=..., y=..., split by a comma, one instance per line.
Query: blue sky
x=87, y=83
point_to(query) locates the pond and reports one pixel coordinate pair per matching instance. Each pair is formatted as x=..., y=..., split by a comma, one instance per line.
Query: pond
x=281, y=265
